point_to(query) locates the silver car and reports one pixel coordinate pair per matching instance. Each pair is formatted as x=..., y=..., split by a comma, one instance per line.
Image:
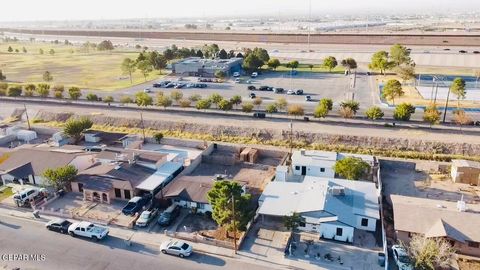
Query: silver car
x=178, y=248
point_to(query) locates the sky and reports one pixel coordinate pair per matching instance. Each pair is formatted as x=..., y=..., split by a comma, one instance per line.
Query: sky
x=35, y=10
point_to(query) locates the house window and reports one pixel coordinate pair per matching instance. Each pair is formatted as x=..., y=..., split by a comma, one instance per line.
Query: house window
x=322, y=169
x=302, y=223
x=118, y=193
x=80, y=187
x=365, y=222
x=201, y=206
x=297, y=168
x=127, y=194
x=473, y=244
x=339, y=231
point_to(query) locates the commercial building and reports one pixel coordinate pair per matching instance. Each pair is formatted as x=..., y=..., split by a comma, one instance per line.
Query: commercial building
x=465, y=171
x=196, y=66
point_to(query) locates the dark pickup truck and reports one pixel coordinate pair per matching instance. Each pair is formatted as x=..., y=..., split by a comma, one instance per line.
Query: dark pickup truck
x=136, y=204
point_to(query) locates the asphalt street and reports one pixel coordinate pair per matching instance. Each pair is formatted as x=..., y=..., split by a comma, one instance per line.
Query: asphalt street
x=49, y=250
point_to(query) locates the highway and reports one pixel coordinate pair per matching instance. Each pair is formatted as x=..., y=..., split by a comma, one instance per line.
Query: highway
x=50, y=250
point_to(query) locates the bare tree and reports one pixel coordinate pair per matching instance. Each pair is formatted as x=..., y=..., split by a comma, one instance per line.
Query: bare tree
x=430, y=253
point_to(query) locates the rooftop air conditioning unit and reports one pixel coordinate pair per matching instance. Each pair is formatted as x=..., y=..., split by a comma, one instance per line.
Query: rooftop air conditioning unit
x=337, y=191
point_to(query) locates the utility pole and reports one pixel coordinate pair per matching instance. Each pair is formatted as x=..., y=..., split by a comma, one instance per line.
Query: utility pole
x=291, y=138
x=26, y=114
x=309, y=22
x=143, y=126
x=446, y=106
x=234, y=226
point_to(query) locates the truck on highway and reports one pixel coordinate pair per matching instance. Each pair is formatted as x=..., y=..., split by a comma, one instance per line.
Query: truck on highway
x=88, y=229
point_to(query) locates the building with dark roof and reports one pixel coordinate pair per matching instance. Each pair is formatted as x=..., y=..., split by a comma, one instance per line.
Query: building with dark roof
x=196, y=66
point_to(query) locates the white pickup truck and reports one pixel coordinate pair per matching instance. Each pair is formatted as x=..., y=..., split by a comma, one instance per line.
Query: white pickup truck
x=87, y=229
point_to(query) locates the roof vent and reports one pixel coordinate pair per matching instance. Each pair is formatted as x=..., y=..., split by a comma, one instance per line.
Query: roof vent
x=302, y=152
x=337, y=191
x=461, y=205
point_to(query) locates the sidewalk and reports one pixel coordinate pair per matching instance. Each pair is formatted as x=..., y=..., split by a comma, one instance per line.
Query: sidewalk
x=154, y=240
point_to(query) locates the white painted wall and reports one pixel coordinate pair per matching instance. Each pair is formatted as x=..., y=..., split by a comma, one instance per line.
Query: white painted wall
x=190, y=205
x=328, y=231
x=372, y=223
x=316, y=170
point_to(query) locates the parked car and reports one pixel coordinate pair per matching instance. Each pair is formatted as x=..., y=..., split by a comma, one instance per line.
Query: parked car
x=88, y=229
x=254, y=75
x=252, y=95
x=190, y=85
x=446, y=49
x=278, y=90
x=136, y=204
x=170, y=85
x=178, y=248
x=291, y=92
x=147, y=90
x=180, y=85
x=161, y=84
x=200, y=85
x=169, y=215
x=308, y=98
x=58, y=225
x=263, y=88
x=299, y=92
x=476, y=52
x=146, y=217
x=236, y=74
x=251, y=87
x=259, y=115
x=462, y=51
x=401, y=258
x=237, y=80
x=26, y=195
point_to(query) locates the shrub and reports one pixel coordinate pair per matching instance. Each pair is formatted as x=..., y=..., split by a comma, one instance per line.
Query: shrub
x=184, y=103
x=295, y=110
x=14, y=91
x=158, y=137
x=58, y=94
x=247, y=107
x=403, y=112
x=374, y=113
x=126, y=100
x=320, y=111
x=351, y=104
x=92, y=97
x=108, y=99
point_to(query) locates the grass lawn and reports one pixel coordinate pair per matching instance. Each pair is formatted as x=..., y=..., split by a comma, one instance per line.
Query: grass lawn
x=5, y=193
x=306, y=68
x=69, y=66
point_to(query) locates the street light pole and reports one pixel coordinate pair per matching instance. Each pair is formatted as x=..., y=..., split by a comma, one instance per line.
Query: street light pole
x=446, y=106
x=234, y=226
x=26, y=114
x=291, y=138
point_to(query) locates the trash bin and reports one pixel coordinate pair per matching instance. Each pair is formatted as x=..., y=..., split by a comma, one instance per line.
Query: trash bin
x=381, y=259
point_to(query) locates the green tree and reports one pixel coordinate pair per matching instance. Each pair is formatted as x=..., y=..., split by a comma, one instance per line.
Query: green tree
x=392, y=89
x=40, y=51
x=158, y=137
x=223, y=197
x=351, y=168
x=203, y=104
x=128, y=67
x=74, y=92
x=2, y=76
x=194, y=97
x=126, y=100
x=164, y=101
x=105, y=45
x=430, y=253
x=252, y=62
x=295, y=110
x=458, y=89
x=92, y=97
x=220, y=74
x=225, y=105
x=43, y=89
x=176, y=95
x=330, y=62
x=215, y=98
x=108, y=100
x=247, y=107
x=406, y=72
x=273, y=63
x=292, y=222
x=403, y=112
x=58, y=94
x=10, y=49
x=29, y=90
x=262, y=54
x=143, y=99
x=74, y=128
x=47, y=76
x=374, y=113
x=380, y=62
x=349, y=64
x=293, y=65
x=431, y=115
x=350, y=104
x=51, y=52
x=236, y=100
x=271, y=108
x=321, y=111
x=281, y=104
x=159, y=62
x=311, y=66
x=222, y=54
x=60, y=177
x=14, y=91
x=399, y=55
x=327, y=102
x=145, y=68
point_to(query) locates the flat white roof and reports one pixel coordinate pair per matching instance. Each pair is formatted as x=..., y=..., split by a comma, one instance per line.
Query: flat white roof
x=312, y=157
x=160, y=176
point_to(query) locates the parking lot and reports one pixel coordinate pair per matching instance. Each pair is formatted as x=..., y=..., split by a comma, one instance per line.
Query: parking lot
x=338, y=87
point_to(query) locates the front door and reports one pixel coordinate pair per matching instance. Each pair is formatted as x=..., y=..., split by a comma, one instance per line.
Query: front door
x=304, y=170
x=80, y=187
